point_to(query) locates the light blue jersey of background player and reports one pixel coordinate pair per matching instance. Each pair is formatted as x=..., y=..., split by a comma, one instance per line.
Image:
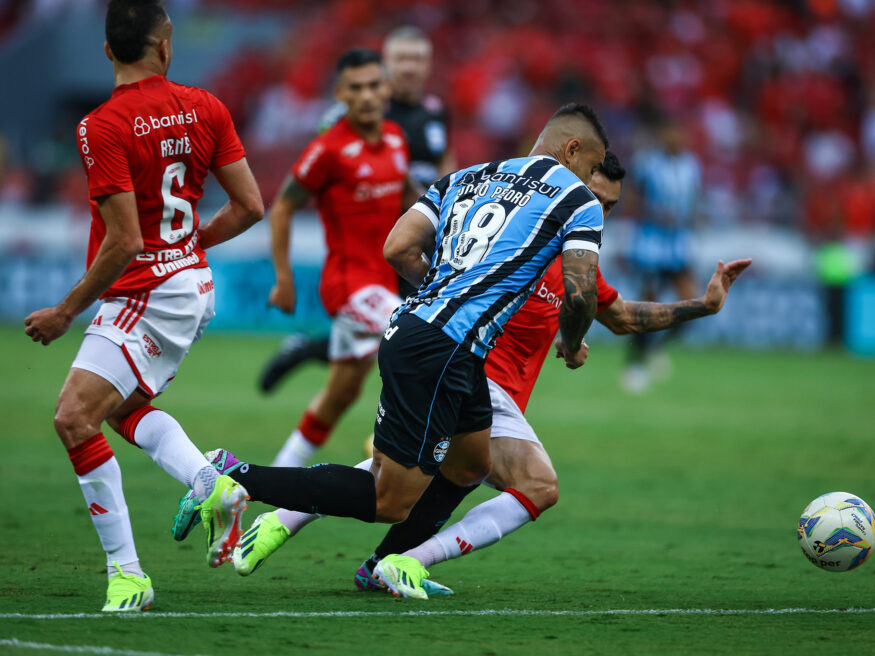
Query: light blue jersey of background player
x=668, y=180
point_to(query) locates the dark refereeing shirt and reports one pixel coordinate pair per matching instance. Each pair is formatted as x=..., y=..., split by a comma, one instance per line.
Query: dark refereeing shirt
x=425, y=126
x=498, y=227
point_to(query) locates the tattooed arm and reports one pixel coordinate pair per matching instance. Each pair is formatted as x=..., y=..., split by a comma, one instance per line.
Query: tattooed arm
x=579, y=272
x=623, y=317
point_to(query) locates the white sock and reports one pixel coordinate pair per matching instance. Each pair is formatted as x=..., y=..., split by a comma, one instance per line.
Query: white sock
x=295, y=521
x=296, y=452
x=163, y=439
x=102, y=489
x=482, y=526
x=205, y=482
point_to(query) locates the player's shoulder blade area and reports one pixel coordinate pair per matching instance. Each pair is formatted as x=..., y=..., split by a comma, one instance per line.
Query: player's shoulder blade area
x=167, y=109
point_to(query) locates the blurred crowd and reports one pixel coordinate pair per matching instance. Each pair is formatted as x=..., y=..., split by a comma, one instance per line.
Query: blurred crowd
x=777, y=98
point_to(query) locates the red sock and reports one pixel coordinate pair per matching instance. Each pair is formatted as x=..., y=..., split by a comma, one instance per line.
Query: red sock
x=128, y=425
x=525, y=501
x=89, y=455
x=314, y=430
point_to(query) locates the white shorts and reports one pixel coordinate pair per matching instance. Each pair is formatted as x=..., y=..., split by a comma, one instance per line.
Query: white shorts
x=507, y=418
x=359, y=325
x=153, y=330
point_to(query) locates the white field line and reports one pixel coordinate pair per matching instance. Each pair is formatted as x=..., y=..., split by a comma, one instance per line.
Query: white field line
x=509, y=612
x=76, y=649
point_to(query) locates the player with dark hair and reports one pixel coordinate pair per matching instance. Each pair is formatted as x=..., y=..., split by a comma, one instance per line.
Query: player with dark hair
x=146, y=153
x=358, y=173
x=477, y=241
x=407, y=53
x=521, y=467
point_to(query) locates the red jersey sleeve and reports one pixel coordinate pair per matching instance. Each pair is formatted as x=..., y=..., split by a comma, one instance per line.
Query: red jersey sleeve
x=104, y=158
x=228, y=148
x=607, y=294
x=313, y=168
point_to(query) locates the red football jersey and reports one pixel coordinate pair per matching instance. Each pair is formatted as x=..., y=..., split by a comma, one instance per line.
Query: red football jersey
x=158, y=139
x=358, y=188
x=521, y=349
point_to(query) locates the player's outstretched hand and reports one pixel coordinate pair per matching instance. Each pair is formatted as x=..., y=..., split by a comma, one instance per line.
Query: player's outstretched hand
x=48, y=324
x=573, y=360
x=282, y=296
x=721, y=281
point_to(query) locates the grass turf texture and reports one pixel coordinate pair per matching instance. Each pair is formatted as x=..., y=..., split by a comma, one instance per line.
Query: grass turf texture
x=686, y=497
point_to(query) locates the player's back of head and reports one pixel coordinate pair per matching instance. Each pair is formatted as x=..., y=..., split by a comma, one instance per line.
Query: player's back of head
x=576, y=137
x=358, y=57
x=129, y=26
x=579, y=113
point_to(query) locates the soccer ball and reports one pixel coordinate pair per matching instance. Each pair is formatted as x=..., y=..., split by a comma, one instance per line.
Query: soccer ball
x=837, y=531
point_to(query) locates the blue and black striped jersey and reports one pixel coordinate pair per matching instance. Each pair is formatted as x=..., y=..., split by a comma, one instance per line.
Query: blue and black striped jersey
x=499, y=226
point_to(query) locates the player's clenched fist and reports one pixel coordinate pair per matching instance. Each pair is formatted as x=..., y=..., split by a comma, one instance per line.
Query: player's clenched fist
x=48, y=324
x=282, y=296
x=572, y=360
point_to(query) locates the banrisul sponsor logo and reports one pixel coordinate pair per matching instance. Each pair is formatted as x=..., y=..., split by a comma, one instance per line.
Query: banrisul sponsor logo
x=544, y=293
x=143, y=125
x=472, y=183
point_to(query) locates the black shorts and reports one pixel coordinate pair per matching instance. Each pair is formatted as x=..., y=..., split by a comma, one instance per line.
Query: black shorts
x=433, y=388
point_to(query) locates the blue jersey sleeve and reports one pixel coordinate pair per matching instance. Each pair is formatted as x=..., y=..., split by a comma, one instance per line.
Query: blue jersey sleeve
x=583, y=229
x=430, y=202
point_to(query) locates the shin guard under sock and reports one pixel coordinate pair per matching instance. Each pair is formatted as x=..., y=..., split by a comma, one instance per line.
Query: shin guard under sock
x=328, y=489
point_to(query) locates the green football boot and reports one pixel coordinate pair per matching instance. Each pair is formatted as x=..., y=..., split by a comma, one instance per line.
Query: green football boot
x=128, y=592
x=266, y=535
x=221, y=513
x=364, y=580
x=403, y=576
x=188, y=515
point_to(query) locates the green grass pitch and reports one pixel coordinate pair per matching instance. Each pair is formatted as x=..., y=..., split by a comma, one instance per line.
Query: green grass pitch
x=683, y=498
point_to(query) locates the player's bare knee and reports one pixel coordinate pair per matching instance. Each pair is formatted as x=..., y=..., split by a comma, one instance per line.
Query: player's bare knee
x=389, y=512
x=480, y=471
x=470, y=474
x=72, y=426
x=541, y=489
x=64, y=425
x=549, y=496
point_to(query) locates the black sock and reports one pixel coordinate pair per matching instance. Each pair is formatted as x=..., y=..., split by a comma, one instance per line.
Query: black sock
x=429, y=514
x=335, y=490
x=318, y=349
